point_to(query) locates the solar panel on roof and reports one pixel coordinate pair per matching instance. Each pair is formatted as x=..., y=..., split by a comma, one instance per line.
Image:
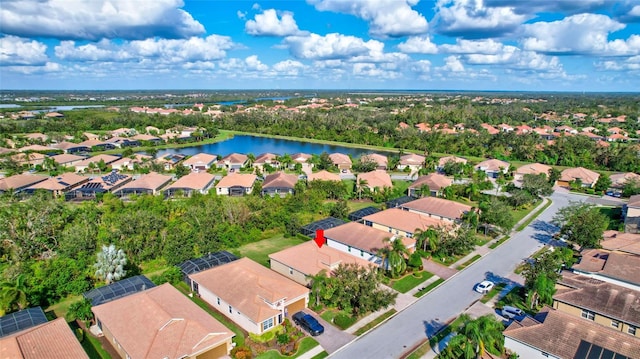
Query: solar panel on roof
x=208, y=261
x=119, y=289
x=310, y=229
x=587, y=350
x=18, y=321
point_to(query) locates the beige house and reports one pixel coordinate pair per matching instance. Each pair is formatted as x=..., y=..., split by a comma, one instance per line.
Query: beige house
x=374, y=180
x=531, y=169
x=83, y=165
x=270, y=159
x=29, y=159
x=307, y=259
x=323, y=176
x=67, y=160
x=447, y=159
x=19, y=182
x=437, y=208
x=279, y=184
x=618, y=180
x=434, y=182
x=199, y=182
x=150, y=183
x=340, y=160
x=234, y=161
x=398, y=222
x=200, y=162
x=129, y=163
x=380, y=160
x=587, y=177
x=161, y=322
x=236, y=184
x=412, y=161
x=252, y=296
x=493, y=167
x=614, y=267
x=631, y=213
x=58, y=185
x=621, y=242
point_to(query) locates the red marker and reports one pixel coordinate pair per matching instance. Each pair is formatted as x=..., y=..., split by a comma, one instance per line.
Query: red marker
x=319, y=237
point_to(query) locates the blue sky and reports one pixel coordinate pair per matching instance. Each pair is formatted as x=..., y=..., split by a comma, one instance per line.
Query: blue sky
x=519, y=45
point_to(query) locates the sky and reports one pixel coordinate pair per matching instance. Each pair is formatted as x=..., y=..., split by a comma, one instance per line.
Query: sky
x=504, y=45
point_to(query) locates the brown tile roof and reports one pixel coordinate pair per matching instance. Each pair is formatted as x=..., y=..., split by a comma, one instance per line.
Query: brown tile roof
x=53, y=340
x=95, y=159
x=235, y=158
x=66, y=158
x=434, y=181
x=618, y=180
x=280, y=180
x=323, y=176
x=252, y=284
x=34, y=148
x=62, y=182
x=404, y=220
x=200, y=159
x=301, y=157
x=375, y=179
x=492, y=165
x=443, y=160
x=19, y=181
x=161, y=323
x=375, y=157
x=340, y=159
x=534, y=169
x=32, y=157
x=144, y=137
x=194, y=180
x=560, y=334
x=634, y=201
x=621, y=266
x=237, y=179
x=438, y=206
x=585, y=175
x=36, y=136
x=412, y=159
x=265, y=158
x=622, y=242
x=359, y=236
x=91, y=143
x=152, y=181
x=64, y=145
x=310, y=259
x=492, y=130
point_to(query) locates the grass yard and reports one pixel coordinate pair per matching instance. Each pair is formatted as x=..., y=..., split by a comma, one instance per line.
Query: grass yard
x=259, y=251
x=468, y=263
x=61, y=308
x=493, y=292
x=321, y=355
x=498, y=242
x=90, y=344
x=305, y=345
x=401, y=186
x=534, y=216
x=356, y=205
x=521, y=213
x=375, y=322
x=339, y=318
x=410, y=281
x=428, y=288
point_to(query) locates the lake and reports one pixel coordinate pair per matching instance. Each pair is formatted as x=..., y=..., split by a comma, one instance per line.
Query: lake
x=258, y=145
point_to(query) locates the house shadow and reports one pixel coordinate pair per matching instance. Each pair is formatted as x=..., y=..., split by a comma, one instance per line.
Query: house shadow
x=545, y=227
x=509, y=283
x=432, y=327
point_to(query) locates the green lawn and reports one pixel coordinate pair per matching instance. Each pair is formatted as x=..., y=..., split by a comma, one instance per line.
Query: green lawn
x=521, y=213
x=321, y=355
x=61, y=308
x=428, y=288
x=468, y=263
x=356, y=205
x=90, y=344
x=493, y=292
x=375, y=322
x=259, y=251
x=401, y=186
x=306, y=344
x=410, y=281
x=345, y=321
x=534, y=216
x=498, y=242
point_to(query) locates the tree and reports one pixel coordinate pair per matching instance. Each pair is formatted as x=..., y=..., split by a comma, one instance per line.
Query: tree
x=110, y=264
x=394, y=255
x=340, y=209
x=182, y=171
x=497, y=213
x=13, y=295
x=603, y=183
x=426, y=238
x=80, y=310
x=319, y=288
x=554, y=175
x=358, y=290
x=476, y=337
x=537, y=185
x=631, y=187
x=582, y=224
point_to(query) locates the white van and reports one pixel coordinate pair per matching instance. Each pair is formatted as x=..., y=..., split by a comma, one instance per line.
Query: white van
x=512, y=312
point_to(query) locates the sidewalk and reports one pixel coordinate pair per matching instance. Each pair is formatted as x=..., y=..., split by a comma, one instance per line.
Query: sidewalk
x=311, y=353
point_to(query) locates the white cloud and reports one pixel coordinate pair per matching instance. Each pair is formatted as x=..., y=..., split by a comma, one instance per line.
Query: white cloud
x=537, y=6
x=472, y=19
x=288, y=67
x=330, y=46
x=241, y=15
x=213, y=47
x=421, y=66
x=18, y=51
x=579, y=34
x=628, y=64
x=96, y=19
x=418, y=45
x=386, y=18
x=268, y=24
x=254, y=64
x=373, y=72
x=48, y=67
x=452, y=64
x=628, y=11
x=462, y=46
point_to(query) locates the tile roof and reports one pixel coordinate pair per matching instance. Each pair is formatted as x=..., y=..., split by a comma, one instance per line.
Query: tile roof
x=265, y=158
x=252, y=285
x=310, y=259
x=323, y=176
x=622, y=242
x=235, y=158
x=144, y=137
x=492, y=165
x=561, y=334
x=301, y=157
x=90, y=143
x=35, y=148
x=634, y=201
x=152, y=181
x=443, y=160
x=621, y=266
x=237, y=179
x=404, y=220
x=534, y=169
x=19, y=181
x=492, y=130
x=200, y=159
x=32, y=157
x=375, y=157
x=53, y=340
x=280, y=180
x=434, y=181
x=620, y=179
x=95, y=159
x=66, y=158
x=161, y=323
x=61, y=182
x=359, y=236
x=194, y=180
x=64, y=145
x=411, y=159
x=585, y=175
x=438, y=206
x=375, y=179
x=340, y=159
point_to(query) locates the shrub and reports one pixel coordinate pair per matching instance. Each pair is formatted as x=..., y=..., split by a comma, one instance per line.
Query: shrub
x=415, y=261
x=283, y=338
x=241, y=352
x=80, y=334
x=343, y=321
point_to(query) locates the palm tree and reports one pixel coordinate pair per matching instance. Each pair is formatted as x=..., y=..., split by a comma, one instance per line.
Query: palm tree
x=13, y=295
x=476, y=337
x=427, y=238
x=472, y=190
x=394, y=256
x=542, y=291
x=318, y=285
x=361, y=185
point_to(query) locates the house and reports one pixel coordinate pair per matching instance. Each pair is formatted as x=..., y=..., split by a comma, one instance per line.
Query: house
x=531, y=169
x=362, y=241
x=434, y=182
x=150, y=183
x=29, y=159
x=200, y=162
x=555, y=334
x=505, y=127
x=161, y=322
x=85, y=164
x=170, y=161
x=631, y=214
x=490, y=129
x=98, y=185
x=447, y=159
x=70, y=147
x=90, y=136
x=199, y=182
x=493, y=167
x=97, y=144
x=302, y=158
x=279, y=183
x=53, y=115
x=396, y=221
x=67, y=160
x=17, y=183
x=566, y=129
x=614, y=267
x=422, y=127
x=233, y=161
x=36, y=137
x=236, y=184
x=270, y=159
x=300, y=262
x=142, y=138
x=27, y=334
x=258, y=300
x=58, y=185
x=380, y=160
x=122, y=131
x=129, y=163
x=323, y=176
x=340, y=160
x=618, y=180
x=586, y=177
x=35, y=148
x=438, y=208
x=621, y=242
x=412, y=161
x=375, y=180
x=603, y=303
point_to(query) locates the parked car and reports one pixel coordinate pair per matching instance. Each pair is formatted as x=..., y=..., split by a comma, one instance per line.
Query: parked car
x=511, y=312
x=308, y=323
x=484, y=286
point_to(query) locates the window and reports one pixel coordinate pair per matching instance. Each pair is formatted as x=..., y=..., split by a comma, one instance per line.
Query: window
x=390, y=229
x=632, y=330
x=349, y=249
x=588, y=314
x=368, y=223
x=218, y=300
x=267, y=324
x=279, y=318
x=230, y=310
x=615, y=324
x=290, y=270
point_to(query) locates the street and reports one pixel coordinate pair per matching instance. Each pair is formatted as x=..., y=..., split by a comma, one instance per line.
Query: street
x=422, y=319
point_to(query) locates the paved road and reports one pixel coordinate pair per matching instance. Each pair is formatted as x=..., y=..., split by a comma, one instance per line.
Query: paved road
x=422, y=319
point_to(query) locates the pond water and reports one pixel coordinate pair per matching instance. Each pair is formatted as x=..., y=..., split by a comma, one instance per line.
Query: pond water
x=258, y=145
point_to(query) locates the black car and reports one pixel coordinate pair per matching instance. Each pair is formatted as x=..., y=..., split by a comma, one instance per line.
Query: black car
x=308, y=323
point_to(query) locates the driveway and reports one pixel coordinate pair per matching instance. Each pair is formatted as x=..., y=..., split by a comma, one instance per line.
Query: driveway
x=332, y=338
